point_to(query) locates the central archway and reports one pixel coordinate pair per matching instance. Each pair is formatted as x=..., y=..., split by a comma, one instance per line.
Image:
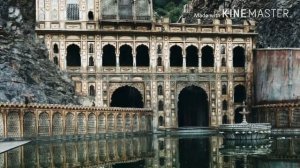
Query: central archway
x=127, y=96
x=193, y=107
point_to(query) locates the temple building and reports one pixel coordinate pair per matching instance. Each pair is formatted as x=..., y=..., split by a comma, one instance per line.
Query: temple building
x=119, y=54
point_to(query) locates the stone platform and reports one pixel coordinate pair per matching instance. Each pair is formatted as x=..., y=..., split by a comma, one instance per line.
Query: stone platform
x=189, y=131
x=8, y=145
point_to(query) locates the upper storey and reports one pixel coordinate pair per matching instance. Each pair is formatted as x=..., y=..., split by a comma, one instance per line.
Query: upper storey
x=94, y=10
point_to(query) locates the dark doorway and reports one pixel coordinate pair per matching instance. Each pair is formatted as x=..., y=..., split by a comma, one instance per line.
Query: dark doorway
x=109, y=55
x=238, y=118
x=160, y=90
x=193, y=107
x=176, y=56
x=207, y=56
x=91, y=48
x=224, y=89
x=225, y=119
x=161, y=121
x=91, y=61
x=239, y=94
x=126, y=58
x=223, y=62
x=127, y=96
x=55, y=60
x=238, y=57
x=224, y=105
x=159, y=61
x=91, y=15
x=194, y=152
x=142, y=56
x=55, y=49
x=92, y=91
x=160, y=105
x=73, y=55
x=192, y=56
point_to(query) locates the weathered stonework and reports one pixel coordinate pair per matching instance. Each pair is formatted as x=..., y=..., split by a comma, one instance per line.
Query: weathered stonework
x=159, y=37
x=45, y=120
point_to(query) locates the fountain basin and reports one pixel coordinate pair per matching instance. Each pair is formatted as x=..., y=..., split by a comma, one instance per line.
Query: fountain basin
x=245, y=130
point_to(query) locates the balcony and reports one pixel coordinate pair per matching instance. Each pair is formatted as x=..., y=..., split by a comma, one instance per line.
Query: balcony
x=109, y=17
x=125, y=18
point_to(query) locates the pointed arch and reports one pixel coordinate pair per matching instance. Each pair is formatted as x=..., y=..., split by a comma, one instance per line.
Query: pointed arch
x=176, y=59
x=92, y=91
x=126, y=58
x=109, y=55
x=91, y=15
x=159, y=61
x=44, y=124
x=192, y=59
x=55, y=49
x=92, y=123
x=70, y=124
x=207, y=58
x=239, y=94
x=91, y=61
x=142, y=56
x=29, y=124
x=57, y=126
x=160, y=105
x=160, y=90
x=73, y=55
x=193, y=108
x=239, y=57
x=224, y=105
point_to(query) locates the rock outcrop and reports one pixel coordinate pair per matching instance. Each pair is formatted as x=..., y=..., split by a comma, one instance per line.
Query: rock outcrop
x=272, y=31
x=25, y=70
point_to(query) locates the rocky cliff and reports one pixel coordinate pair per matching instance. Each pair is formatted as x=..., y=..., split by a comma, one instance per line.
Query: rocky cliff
x=25, y=70
x=272, y=31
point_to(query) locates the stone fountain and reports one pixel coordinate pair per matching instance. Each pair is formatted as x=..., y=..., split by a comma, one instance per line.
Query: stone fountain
x=245, y=130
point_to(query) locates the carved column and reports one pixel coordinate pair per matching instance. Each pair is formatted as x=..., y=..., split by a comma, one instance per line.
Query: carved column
x=21, y=122
x=184, y=63
x=5, y=122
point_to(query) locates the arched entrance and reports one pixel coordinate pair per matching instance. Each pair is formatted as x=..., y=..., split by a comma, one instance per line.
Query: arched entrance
x=176, y=56
x=109, y=55
x=127, y=96
x=207, y=56
x=192, y=56
x=126, y=58
x=73, y=55
x=193, y=107
x=239, y=57
x=239, y=94
x=142, y=56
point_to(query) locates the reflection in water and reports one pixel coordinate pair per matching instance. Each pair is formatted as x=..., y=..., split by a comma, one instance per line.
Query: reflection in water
x=154, y=151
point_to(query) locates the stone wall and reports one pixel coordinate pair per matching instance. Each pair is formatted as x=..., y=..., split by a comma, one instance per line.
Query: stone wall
x=277, y=74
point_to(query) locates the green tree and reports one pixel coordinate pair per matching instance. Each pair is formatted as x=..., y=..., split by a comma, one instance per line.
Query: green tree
x=171, y=9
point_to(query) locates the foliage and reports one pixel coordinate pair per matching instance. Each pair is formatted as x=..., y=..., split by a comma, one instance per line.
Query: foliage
x=171, y=9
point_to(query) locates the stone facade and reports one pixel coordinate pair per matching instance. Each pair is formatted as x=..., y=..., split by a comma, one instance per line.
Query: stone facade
x=177, y=56
x=58, y=121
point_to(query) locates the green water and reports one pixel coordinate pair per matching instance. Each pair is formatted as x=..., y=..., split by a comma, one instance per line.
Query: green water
x=156, y=151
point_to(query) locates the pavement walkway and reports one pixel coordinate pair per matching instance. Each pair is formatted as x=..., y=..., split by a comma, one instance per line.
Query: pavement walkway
x=6, y=146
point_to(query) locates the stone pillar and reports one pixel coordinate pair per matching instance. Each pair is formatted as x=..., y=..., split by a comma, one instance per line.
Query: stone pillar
x=117, y=61
x=199, y=60
x=5, y=122
x=21, y=123
x=184, y=63
x=50, y=123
